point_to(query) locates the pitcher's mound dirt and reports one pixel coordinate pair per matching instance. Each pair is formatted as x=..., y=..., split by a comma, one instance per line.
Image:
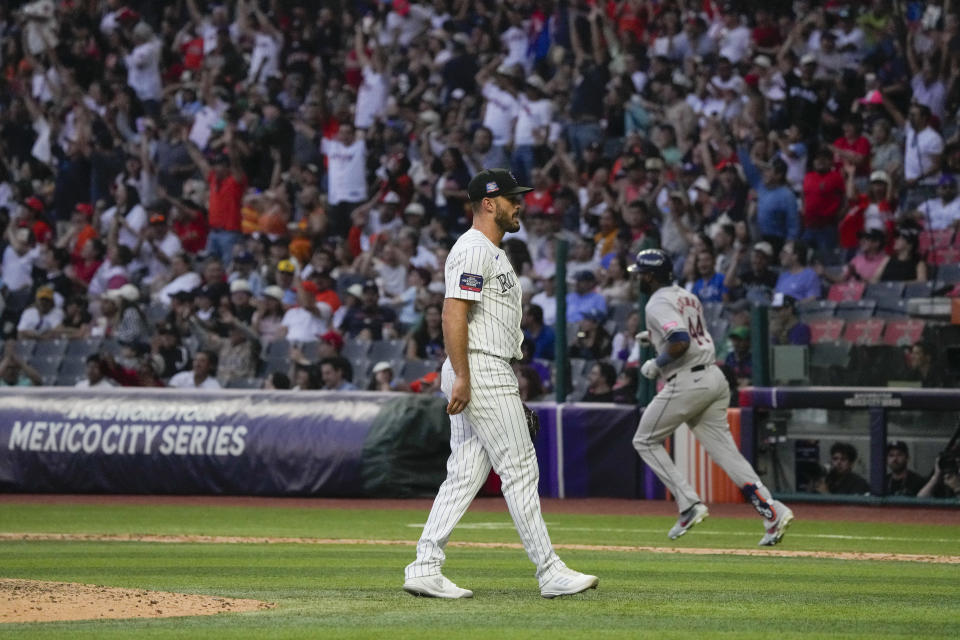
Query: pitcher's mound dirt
x=41, y=601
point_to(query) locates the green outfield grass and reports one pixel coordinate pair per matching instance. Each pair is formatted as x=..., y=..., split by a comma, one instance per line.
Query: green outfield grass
x=325, y=591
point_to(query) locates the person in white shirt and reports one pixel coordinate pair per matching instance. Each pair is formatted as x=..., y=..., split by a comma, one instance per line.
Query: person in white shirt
x=267, y=43
x=924, y=146
x=943, y=212
x=308, y=321
x=201, y=376
x=534, y=115
x=143, y=65
x=210, y=25
x=19, y=256
x=128, y=214
x=373, y=91
x=516, y=41
x=181, y=278
x=346, y=176
x=38, y=320
x=500, y=103
x=95, y=375
x=156, y=246
x=547, y=300
x=732, y=37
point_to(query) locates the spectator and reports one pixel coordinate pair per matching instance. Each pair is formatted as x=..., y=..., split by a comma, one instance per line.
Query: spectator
x=923, y=366
x=841, y=477
x=237, y=353
x=584, y=298
x=14, y=372
x=227, y=182
x=541, y=336
x=267, y=320
x=96, y=376
x=307, y=321
x=709, y=284
x=42, y=319
x=740, y=360
x=797, y=280
x=868, y=264
x=942, y=212
x=369, y=320
x=823, y=196
x=425, y=342
x=867, y=212
x=900, y=481
x=945, y=480
x=546, y=299
x=126, y=322
x=785, y=326
x=383, y=378
x=624, y=340
x=905, y=265
x=202, y=374
x=166, y=344
x=853, y=148
x=346, y=176
x=592, y=340
x=277, y=381
x=530, y=385
x=777, y=217
x=922, y=159
x=755, y=274
x=600, y=383
x=337, y=374
x=615, y=285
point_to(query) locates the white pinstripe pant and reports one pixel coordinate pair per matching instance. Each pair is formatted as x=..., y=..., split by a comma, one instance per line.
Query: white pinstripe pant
x=492, y=430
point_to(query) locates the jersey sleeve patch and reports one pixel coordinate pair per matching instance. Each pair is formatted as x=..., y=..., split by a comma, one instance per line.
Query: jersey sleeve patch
x=670, y=325
x=471, y=282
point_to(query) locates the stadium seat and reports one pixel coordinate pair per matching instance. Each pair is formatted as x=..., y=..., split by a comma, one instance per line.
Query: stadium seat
x=825, y=330
x=891, y=308
x=50, y=348
x=857, y=310
x=73, y=366
x=903, y=332
x=354, y=349
x=834, y=257
x=949, y=273
x=387, y=350
x=24, y=348
x=576, y=368
x=846, y=291
x=880, y=291
x=245, y=383
x=864, y=332
x=83, y=347
x=944, y=256
x=69, y=379
x=934, y=240
x=816, y=309
x=277, y=349
x=918, y=290
x=414, y=369
x=46, y=365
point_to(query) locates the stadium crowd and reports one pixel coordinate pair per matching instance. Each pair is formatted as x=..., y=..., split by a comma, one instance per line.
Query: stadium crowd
x=263, y=193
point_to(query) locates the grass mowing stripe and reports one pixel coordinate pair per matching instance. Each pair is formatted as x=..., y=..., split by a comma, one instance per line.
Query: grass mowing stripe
x=354, y=592
x=699, y=551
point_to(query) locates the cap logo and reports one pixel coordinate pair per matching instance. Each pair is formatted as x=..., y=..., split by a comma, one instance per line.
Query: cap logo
x=492, y=186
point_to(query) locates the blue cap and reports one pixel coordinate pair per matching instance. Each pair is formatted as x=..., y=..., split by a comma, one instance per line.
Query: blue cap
x=947, y=179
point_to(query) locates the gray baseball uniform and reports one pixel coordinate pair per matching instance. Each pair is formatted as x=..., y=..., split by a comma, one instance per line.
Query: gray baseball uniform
x=696, y=393
x=492, y=430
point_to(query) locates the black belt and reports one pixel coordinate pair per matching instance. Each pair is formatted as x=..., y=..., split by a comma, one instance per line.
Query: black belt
x=699, y=367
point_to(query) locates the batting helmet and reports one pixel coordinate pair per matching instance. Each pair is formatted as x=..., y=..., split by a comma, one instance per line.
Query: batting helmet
x=654, y=261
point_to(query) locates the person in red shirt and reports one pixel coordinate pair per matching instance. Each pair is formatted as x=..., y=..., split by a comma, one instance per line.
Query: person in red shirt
x=823, y=199
x=540, y=199
x=227, y=184
x=853, y=147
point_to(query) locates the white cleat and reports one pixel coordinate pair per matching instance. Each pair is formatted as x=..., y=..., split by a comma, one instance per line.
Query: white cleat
x=693, y=515
x=567, y=582
x=436, y=586
x=776, y=531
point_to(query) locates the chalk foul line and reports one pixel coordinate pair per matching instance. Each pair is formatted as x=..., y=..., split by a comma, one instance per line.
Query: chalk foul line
x=778, y=552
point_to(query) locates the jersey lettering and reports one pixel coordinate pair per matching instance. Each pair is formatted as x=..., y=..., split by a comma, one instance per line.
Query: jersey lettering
x=507, y=281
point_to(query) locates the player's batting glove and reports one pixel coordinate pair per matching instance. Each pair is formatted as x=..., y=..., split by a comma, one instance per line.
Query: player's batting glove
x=643, y=338
x=533, y=422
x=650, y=370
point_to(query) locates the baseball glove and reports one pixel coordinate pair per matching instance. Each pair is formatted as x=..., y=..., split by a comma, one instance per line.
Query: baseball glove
x=533, y=422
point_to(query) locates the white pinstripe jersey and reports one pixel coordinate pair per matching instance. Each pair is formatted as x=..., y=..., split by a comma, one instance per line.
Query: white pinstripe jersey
x=672, y=309
x=478, y=270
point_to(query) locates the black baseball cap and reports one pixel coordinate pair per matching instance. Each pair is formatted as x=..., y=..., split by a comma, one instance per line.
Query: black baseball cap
x=491, y=183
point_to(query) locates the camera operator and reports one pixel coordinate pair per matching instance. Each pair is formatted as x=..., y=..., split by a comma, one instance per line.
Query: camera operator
x=945, y=481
